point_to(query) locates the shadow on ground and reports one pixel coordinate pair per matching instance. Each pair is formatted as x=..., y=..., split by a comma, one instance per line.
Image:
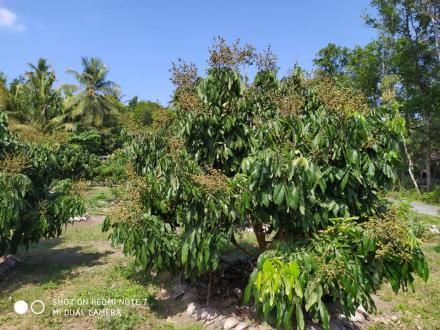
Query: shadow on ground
x=48, y=262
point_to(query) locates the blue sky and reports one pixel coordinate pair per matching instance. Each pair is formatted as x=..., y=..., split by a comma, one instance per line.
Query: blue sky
x=138, y=40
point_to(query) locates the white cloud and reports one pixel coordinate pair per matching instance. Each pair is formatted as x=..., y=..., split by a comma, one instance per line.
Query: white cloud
x=9, y=20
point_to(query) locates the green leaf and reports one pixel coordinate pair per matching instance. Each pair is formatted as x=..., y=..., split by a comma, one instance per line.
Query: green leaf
x=287, y=319
x=299, y=316
x=278, y=196
x=325, y=317
x=311, y=300
x=345, y=180
x=292, y=198
x=184, y=253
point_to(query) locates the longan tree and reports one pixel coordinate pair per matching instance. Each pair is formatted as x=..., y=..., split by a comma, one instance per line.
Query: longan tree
x=302, y=161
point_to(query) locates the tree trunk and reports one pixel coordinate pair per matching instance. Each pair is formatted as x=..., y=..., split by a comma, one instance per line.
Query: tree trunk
x=428, y=157
x=410, y=165
x=428, y=170
x=259, y=235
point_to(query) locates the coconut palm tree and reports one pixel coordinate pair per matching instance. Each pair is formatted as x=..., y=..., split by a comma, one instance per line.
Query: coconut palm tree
x=93, y=103
x=13, y=99
x=46, y=102
x=4, y=97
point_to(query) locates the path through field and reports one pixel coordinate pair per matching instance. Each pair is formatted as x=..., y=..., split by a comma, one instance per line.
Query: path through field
x=420, y=207
x=423, y=208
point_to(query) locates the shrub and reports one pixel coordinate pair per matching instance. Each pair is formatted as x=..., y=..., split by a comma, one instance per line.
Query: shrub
x=348, y=261
x=113, y=170
x=99, y=142
x=419, y=229
x=90, y=140
x=33, y=203
x=143, y=112
x=75, y=161
x=432, y=197
x=142, y=117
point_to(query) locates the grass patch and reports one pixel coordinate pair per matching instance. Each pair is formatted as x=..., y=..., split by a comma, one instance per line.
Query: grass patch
x=423, y=218
x=78, y=233
x=82, y=266
x=98, y=198
x=432, y=198
x=246, y=240
x=419, y=309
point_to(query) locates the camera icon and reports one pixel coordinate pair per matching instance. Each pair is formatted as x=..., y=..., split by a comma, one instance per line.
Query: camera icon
x=37, y=307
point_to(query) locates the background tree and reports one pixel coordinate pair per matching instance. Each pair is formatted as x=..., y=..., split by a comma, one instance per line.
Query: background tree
x=36, y=196
x=45, y=101
x=407, y=48
x=31, y=99
x=94, y=103
x=414, y=58
x=4, y=97
x=15, y=100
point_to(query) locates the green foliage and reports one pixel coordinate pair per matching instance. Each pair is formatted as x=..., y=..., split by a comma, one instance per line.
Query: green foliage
x=403, y=66
x=95, y=103
x=286, y=157
x=8, y=141
x=34, y=204
x=91, y=140
x=219, y=137
x=332, y=60
x=143, y=112
x=169, y=190
x=359, y=67
x=348, y=261
x=46, y=102
x=112, y=170
x=419, y=229
x=301, y=186
x=156, y=253
x=75, y=162
x=32, y=98
x=432, y=197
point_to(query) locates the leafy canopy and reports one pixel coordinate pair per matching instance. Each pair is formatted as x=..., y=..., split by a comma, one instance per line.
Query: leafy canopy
x=302, y=161
x=36, y=191
x=95, y=99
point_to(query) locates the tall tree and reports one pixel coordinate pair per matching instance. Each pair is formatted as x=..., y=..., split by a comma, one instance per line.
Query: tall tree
x=94, y=102
x=361, y=68
x=14, y=99
x=407, y=49
x=332, y=60
x=412, y=26
x=3, y=92
x=45, y=101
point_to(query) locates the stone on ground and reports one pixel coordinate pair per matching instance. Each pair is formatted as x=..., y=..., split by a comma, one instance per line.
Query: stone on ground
x=230, y=323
